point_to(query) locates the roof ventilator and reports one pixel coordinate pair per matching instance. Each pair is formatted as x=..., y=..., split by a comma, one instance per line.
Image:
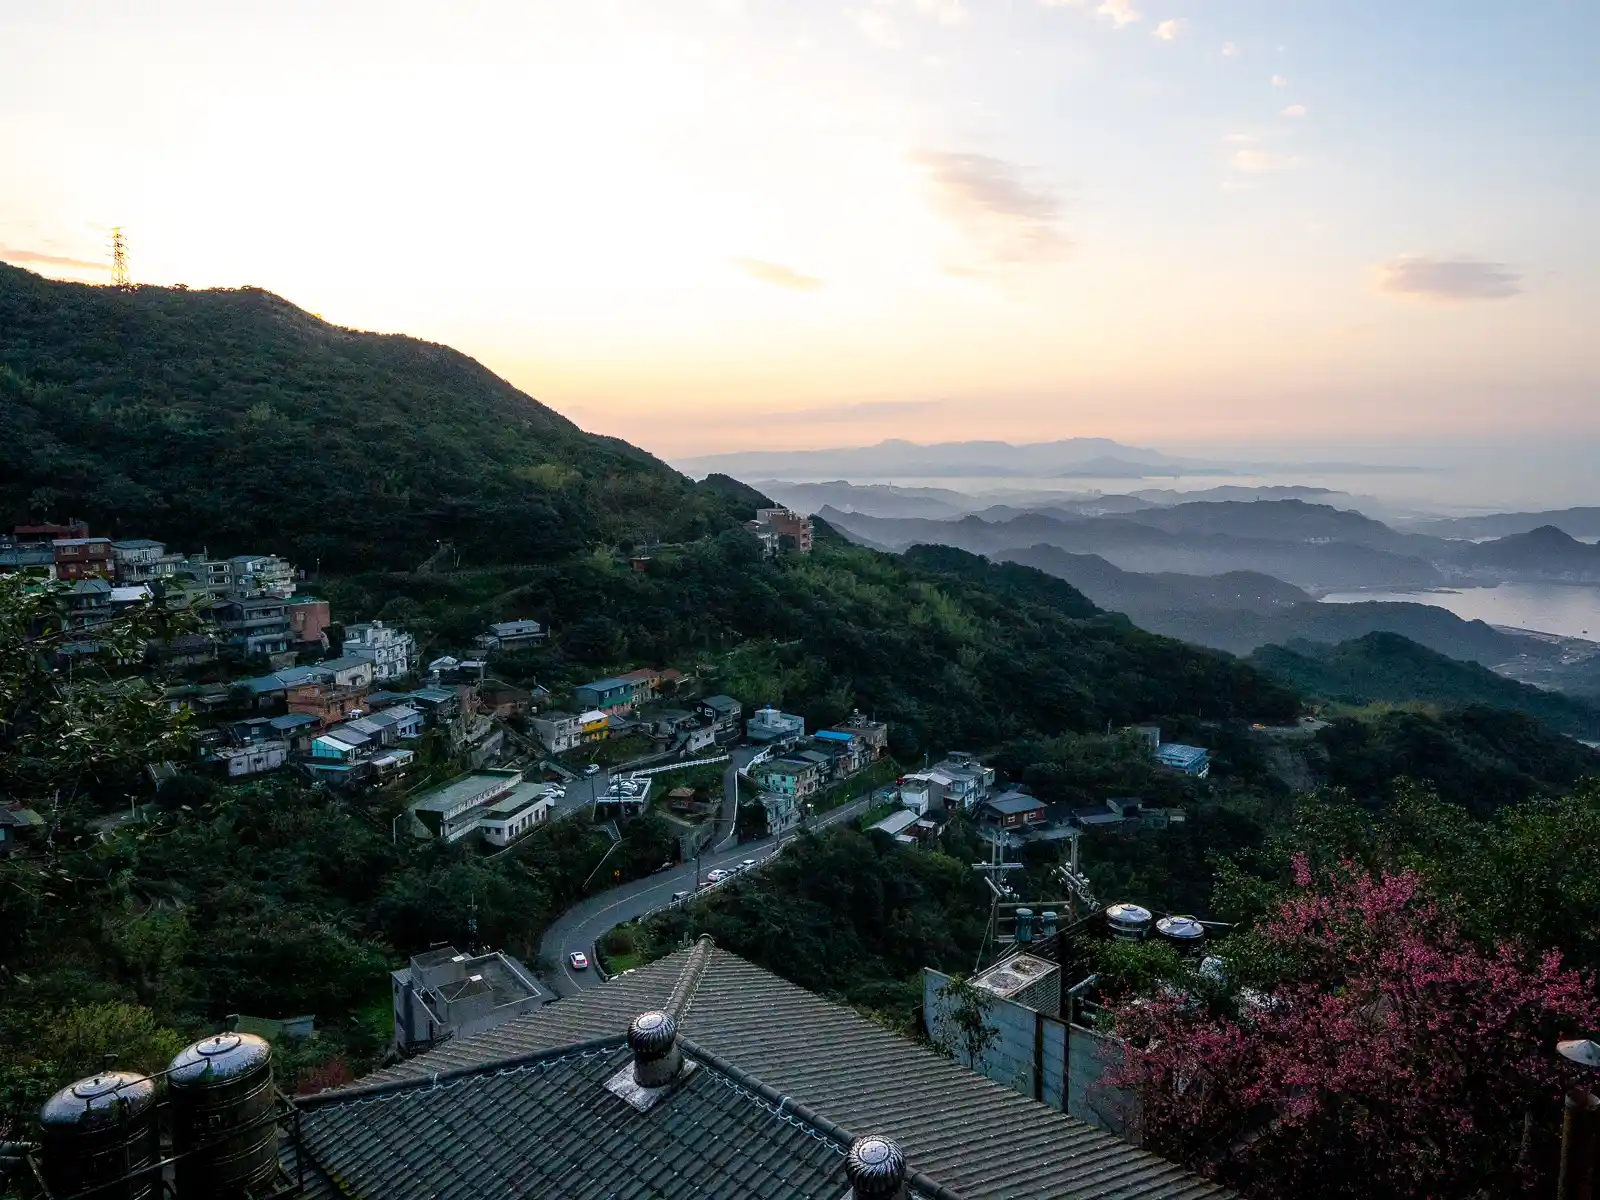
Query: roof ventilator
x=876, y=1169
x=658, y=1064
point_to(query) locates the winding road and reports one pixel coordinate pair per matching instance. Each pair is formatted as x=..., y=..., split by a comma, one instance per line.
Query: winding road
x=585, y=922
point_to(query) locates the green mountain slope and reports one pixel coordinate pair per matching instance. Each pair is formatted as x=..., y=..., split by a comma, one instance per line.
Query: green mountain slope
x=1388, y=667
x=234, y=420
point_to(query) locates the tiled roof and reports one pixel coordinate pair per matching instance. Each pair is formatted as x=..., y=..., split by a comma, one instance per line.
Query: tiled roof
x=971, y=1137
x=550, y=1128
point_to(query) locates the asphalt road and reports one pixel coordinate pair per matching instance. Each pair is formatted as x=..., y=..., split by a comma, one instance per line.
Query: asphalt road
x=738, y=759
x=583, y=924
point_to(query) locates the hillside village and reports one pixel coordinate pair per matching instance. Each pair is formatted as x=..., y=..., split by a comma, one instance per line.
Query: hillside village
x=359, y=706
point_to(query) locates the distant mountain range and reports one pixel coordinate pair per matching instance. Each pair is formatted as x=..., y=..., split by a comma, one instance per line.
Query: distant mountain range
x=1192, y=539
x=1578, y=522
x=1070, y=458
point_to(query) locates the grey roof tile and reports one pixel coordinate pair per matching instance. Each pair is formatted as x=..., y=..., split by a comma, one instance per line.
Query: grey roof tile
x=972, y=1136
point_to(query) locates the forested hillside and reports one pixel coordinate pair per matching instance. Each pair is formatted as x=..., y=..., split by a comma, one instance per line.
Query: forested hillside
x=234, y=420
x=1393, y=669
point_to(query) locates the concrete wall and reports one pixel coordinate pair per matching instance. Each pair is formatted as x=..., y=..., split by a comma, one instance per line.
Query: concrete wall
x=1029, y=1053
x=1089, y=1056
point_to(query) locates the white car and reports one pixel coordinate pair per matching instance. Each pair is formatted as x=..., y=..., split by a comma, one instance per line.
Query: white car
x=579, y=960
x=592, y=769
x=718, y=875
x=747, y=864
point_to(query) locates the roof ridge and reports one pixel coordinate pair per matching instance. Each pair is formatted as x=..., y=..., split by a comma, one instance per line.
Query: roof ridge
x=694, y=970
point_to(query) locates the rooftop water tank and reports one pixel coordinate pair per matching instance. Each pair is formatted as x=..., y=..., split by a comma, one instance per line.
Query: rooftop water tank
x=1128, y=922
x=221, y=1101
x=1024, y=930
x=1047, y=924
x=100, y=1130
x=1186, y=933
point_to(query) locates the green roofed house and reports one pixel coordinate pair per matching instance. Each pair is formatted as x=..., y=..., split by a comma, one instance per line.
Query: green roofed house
x=702, y=1075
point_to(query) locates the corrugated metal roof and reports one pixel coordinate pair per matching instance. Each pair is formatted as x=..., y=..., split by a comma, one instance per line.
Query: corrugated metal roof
x=975, y=1137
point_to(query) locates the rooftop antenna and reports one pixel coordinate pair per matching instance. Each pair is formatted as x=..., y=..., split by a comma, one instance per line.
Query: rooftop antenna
x=119, y=259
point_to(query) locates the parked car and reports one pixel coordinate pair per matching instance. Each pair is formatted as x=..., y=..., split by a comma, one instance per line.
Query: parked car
x=579, y=960
x=679, y=896
x=717, y=876
x=747, y=864
x=592, y=769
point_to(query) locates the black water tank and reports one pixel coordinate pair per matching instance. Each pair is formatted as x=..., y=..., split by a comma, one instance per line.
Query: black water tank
x=221, y=1100
x=99, y=1130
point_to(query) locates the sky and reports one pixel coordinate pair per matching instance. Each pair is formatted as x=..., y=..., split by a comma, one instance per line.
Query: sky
x=708, y=225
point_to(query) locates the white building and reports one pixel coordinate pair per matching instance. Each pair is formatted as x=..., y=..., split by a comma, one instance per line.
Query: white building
x=558, y=731
x=769, y=725
x=391, y=650
x=510, y=635
x=254, y=759
x=142, y=560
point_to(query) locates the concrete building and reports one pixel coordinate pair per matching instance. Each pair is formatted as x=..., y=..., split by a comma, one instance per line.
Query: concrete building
x=392, y=651
x=142, y=560
x=351, y=670
x=769, y=725
x=608, y=695
x=515, y=813
x=445, y=994
x=593, y=726
x=253, y=625
x=558, y=731
x=253, y=759
x=82, y=558
x=493, y=801
x=1016, y=810
x=324, y=699
x=723, y=714
x=309, y=619
x=260, y=575
x=782, y=529
x=512, y=635
x=896, y=824
x=790, y=776
x=1187, y=760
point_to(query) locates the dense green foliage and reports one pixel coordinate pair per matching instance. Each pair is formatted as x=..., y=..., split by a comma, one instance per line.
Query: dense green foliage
x=1482, y=757
x=951, y=649
x=233, y=420
x=1388, y=667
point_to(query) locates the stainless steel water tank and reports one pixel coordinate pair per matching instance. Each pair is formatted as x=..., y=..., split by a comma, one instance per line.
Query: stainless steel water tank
x=1128, y=922
x=100, y=1130
x=221, y=1100
x=1184, y=932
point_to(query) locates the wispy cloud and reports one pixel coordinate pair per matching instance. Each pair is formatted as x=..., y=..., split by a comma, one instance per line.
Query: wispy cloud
x=1008, y=219
x=1229, y=50
x=1294, y=110
x=1118, y=12
x=1451, y=280
x=1256, y=162
x=39, y=258
x=1279, y=81
x=1169, y=29
x=777, y=274
x=1240, y=139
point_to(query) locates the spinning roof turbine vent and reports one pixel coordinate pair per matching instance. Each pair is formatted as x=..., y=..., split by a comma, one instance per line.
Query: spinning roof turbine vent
x=876, y=1169
x=653, y=1038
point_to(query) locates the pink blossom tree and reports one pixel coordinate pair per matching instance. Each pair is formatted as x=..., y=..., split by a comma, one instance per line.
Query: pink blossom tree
x=1384, y=1055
